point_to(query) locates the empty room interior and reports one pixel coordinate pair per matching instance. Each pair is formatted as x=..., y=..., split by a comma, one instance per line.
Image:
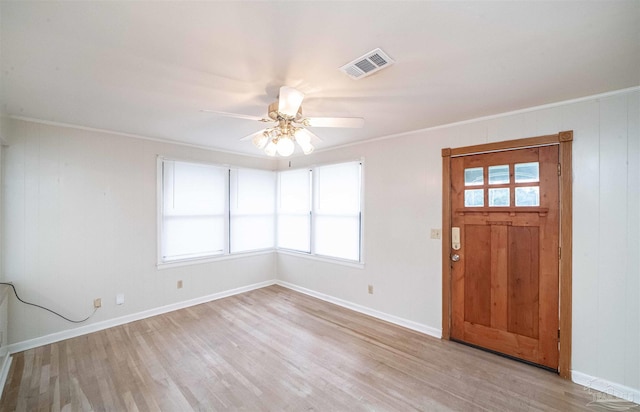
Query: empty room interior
x=289, y=205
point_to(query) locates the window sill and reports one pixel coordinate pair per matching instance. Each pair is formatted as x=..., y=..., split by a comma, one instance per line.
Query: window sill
x=211, y=259
x=335, y=261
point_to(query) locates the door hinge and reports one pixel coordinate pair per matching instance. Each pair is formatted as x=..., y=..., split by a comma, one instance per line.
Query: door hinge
x=559, y=253
x=559, y=169
x=558, y=334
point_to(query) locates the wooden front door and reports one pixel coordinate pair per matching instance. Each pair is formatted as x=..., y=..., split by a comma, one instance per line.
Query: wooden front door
x=504, y=284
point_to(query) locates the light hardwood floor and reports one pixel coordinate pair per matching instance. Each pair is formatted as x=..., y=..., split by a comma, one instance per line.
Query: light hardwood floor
x=275, y=349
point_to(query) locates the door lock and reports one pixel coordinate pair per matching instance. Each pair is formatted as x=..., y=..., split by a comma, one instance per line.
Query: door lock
x=455, y=238
x=455, y=257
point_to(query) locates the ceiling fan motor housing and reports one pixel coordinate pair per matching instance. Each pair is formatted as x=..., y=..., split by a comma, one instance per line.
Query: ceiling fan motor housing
x=277, y=116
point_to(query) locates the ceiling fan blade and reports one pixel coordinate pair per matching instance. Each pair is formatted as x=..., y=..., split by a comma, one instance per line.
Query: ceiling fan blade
x=236, y=115
x=349, y=122
x=289, y=100
x=252, y=135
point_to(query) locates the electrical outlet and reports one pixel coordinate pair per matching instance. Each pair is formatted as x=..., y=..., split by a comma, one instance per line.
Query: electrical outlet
x=179, y=284
x=119, y=298
x=97, y=303
x=370, y=288
x=436, y=234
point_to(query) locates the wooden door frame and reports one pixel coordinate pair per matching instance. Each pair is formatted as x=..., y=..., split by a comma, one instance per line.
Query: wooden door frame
x=565, y=141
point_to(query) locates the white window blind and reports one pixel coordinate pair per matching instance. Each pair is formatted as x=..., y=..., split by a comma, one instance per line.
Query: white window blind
x=252, y=209
x=193, y=210
x=294, y=210
x=337, y=210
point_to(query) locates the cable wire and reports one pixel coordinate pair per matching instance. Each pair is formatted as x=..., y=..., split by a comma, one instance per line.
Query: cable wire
x=47, y=309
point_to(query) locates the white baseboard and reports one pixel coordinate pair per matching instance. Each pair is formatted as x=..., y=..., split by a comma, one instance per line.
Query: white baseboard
x=83, y=330
x=609, y=388
x=409, y=324
x=4, y=372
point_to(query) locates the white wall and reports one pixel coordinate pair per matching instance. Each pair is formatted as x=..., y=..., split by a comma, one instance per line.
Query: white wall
x=80, y=223
x=403, y=200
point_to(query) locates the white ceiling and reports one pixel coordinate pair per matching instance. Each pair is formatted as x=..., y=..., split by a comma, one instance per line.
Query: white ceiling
x=148, y=68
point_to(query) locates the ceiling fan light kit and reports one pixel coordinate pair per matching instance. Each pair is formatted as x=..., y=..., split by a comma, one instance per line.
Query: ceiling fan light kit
x=290, y=125
x=282, y=138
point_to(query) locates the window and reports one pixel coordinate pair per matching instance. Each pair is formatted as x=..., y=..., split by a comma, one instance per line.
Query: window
x=319, y=211
x=507, y=185
x=208, y=210
x=193, y=210
x=252, y=209
x=294, y=210
x=337, y=211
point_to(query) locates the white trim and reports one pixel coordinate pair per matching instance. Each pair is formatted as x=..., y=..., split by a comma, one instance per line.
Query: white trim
x=159, y=208
x=4, y=372
x=83, y=330
x=214, y=258
x=321, y=258
x=603, y=385
x=409, y=324
x=443, y=126
x=490, y=117
x=132, y=135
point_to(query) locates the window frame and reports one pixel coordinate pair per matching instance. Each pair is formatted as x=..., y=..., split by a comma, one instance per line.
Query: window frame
x=230, y=211
x=161, y=264
x=227, y=254
x=312, y=201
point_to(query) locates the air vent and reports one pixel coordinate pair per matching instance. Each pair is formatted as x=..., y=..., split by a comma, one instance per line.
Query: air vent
x=368, y=64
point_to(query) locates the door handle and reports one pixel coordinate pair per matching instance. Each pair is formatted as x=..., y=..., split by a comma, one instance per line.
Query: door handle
x=455, y=257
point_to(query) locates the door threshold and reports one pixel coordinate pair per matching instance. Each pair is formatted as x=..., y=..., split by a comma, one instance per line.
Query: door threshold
x=537, y=365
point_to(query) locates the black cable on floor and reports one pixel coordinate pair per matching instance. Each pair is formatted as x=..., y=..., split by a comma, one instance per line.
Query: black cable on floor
x=47, y=309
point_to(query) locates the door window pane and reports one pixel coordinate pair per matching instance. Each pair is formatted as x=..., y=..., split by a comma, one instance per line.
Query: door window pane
x=499, y=197
x=528, y=196
x=498, y=175
x=527, y=172
x=474, y=198
x=473, y=176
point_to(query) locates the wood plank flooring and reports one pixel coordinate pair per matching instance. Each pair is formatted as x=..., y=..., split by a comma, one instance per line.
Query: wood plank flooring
x=274, y=349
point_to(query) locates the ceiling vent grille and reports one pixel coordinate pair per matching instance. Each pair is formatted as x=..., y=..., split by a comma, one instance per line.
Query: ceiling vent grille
x=367, y=64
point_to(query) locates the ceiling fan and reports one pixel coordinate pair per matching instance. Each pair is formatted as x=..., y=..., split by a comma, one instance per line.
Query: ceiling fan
x=289, y=125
